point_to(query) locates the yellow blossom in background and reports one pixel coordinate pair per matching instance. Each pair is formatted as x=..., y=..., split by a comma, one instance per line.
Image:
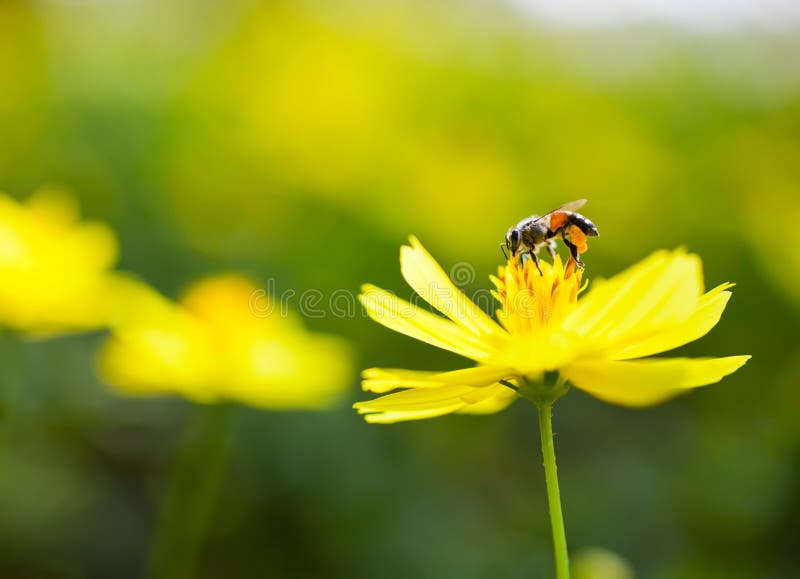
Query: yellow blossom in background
x=596, y=343
x=595, y=563
x=55, y=270
x=224, y=341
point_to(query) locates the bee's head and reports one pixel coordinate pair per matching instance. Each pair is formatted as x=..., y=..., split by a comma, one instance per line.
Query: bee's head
x=512, y=240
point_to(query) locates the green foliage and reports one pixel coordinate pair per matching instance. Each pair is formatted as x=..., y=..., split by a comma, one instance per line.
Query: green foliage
x=301, y=144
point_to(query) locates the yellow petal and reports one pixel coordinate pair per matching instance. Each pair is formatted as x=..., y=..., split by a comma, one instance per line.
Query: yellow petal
x=272, y=371
x=659, y=291
x=429, y=280
x=406, y=318
x=392, y=416
x=210, y=349
x=44, y=245
x=708, y=312
x=95, y=243
x=421, y=403
x=171, y=357
x=221, y=299
x=53, y=208
x=646, y=382
x=382, y=380
x=595, y=307
x=493, y=399
x=446, y=398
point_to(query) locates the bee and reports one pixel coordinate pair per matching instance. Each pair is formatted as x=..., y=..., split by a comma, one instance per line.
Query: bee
x=531, y=234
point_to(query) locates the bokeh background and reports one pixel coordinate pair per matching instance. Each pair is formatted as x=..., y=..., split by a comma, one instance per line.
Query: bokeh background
x=301, y=142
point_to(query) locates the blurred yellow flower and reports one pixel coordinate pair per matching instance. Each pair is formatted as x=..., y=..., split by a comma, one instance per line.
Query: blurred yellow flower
x=596, y=563
x=224, y=341
x=55, y=271
x=593, y=343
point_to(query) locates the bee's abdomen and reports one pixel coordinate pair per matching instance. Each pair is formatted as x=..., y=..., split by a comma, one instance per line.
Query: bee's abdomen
x=583, y=224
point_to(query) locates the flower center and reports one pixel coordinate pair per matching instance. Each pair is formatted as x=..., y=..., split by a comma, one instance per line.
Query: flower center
x=531, y=300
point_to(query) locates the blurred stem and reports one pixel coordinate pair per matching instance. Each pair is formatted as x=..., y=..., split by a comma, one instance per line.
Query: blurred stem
x=553, y=494
x=11, y=356
x=193, y=487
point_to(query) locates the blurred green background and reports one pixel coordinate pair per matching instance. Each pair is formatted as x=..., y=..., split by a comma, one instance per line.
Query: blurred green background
x=302, y=142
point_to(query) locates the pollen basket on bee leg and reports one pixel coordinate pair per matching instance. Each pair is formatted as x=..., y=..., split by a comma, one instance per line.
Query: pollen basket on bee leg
x=578, y=238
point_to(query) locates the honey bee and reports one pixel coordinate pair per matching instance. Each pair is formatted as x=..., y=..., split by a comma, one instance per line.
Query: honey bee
x=531, y=234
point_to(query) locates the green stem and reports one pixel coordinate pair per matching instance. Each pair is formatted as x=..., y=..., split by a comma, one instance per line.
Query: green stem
x=191, y=494
x=553, y=494
x=12, y=356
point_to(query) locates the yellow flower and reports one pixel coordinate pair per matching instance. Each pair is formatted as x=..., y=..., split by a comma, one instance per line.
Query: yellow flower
x=224, y=341
x=596, y=563
x=594, y=343
x=55, y=271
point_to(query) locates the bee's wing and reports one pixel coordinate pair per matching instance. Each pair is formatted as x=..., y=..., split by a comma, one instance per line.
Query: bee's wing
x=571, y=206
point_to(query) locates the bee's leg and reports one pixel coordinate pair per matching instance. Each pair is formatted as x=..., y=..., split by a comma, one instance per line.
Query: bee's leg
x=551, y=248
x=535, y=259
x=573, y=251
